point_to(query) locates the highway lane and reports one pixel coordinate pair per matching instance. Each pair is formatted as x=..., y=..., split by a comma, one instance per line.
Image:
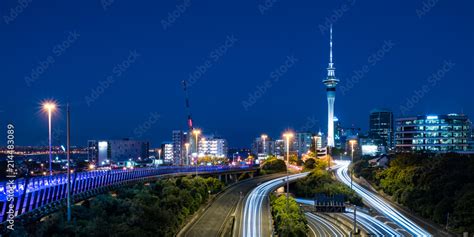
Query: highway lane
x=213, y=220
x=255, y=221
x=372, y=225
x=322, y=227
x=368, y=223
x=379, y=203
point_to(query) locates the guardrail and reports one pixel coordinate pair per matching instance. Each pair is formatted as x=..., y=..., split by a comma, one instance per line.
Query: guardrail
x=36, y=192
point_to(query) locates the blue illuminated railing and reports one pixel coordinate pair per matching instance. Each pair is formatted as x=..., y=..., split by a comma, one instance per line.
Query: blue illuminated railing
x=33, y=193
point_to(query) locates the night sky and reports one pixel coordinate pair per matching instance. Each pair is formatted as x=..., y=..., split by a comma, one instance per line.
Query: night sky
x=257, y=66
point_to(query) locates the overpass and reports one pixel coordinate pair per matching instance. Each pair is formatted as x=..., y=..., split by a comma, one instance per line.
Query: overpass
x=36, y=197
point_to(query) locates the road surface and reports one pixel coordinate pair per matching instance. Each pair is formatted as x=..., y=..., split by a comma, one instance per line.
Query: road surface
x=255, y=221
x=321, y=227
x=212, y=221
x=378, y=203
x=368, y=223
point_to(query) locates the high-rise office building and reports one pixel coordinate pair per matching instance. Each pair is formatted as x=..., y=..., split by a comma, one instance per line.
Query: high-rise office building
x=106, y=152
x=179, y=138
x=338, y=133
x=381, y=126
x=331, y=82
x=280, y=148
x=263, y=148
x=433, y=133
x=168, y=154
x=213, y=146
x=302, y=142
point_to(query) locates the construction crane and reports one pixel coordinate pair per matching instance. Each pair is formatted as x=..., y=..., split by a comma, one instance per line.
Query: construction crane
x=188, y=109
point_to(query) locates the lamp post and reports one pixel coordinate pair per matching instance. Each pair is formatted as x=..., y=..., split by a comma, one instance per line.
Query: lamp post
x=352, y=142
x=288, y=136
x=68, y=149
x=196, y=133
x=264, y=138
x=49, y=107
x=187, y=153
x=315, y=146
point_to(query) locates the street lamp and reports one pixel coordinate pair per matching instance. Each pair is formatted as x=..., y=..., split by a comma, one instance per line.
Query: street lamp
x=49, y=107
x=264, y=138
x=187, y=152
x=196, y=133
x=288, y=136
x=352, y=142
x=316, y=146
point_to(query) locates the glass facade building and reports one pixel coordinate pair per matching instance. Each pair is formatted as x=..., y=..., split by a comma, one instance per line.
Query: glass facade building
x=381, y=126
x=434, y=133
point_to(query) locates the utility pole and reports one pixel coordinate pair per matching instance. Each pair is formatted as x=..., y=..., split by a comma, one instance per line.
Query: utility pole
x=68, y=165
x=355, y=221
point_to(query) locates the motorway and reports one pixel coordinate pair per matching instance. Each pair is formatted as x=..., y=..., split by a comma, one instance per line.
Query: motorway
x=378, y=203
x=326, y=228
x=255, y=221
x=214, y=219
x=320, y=227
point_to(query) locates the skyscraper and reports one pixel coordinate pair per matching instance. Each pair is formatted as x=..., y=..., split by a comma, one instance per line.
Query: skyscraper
x=381, y=126
x=331, y=83
x=179, y=139
x=303, y=142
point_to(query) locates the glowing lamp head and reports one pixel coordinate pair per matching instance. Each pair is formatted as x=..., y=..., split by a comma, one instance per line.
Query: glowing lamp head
x=288, y=135
x=49, y=106
x=196, y=132
x=264, y=136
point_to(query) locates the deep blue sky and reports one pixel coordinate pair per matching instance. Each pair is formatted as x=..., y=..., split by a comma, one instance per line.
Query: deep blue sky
x=167, y=56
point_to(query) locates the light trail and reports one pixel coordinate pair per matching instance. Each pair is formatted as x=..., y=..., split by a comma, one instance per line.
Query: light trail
x=329, y=228
x=378, y=203
x=372, y=225
x=252, y=217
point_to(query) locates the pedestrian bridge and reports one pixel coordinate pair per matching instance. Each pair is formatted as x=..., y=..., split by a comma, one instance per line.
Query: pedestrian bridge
x=36, y=197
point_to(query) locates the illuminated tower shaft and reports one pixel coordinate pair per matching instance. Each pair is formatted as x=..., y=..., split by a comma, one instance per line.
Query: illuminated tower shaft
x=331, y=83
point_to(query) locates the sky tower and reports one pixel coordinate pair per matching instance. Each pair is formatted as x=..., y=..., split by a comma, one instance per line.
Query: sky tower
x=331, y=82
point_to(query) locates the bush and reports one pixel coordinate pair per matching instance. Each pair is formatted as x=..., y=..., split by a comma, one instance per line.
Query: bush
x=155, y=209
x=292, y=223
x=321, y=181
x=273, y=165
x=430, y=185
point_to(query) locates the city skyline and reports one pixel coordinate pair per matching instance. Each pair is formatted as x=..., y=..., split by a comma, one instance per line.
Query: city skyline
x=226, y=93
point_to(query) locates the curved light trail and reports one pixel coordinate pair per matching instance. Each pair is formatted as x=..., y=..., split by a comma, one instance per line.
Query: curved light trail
x=252, y=218
x=372, y=225
x=324, y=227
x=378, y=203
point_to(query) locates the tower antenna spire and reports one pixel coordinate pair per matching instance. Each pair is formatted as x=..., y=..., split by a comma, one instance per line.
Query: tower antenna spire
x=330, y=46
x=330, y=82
